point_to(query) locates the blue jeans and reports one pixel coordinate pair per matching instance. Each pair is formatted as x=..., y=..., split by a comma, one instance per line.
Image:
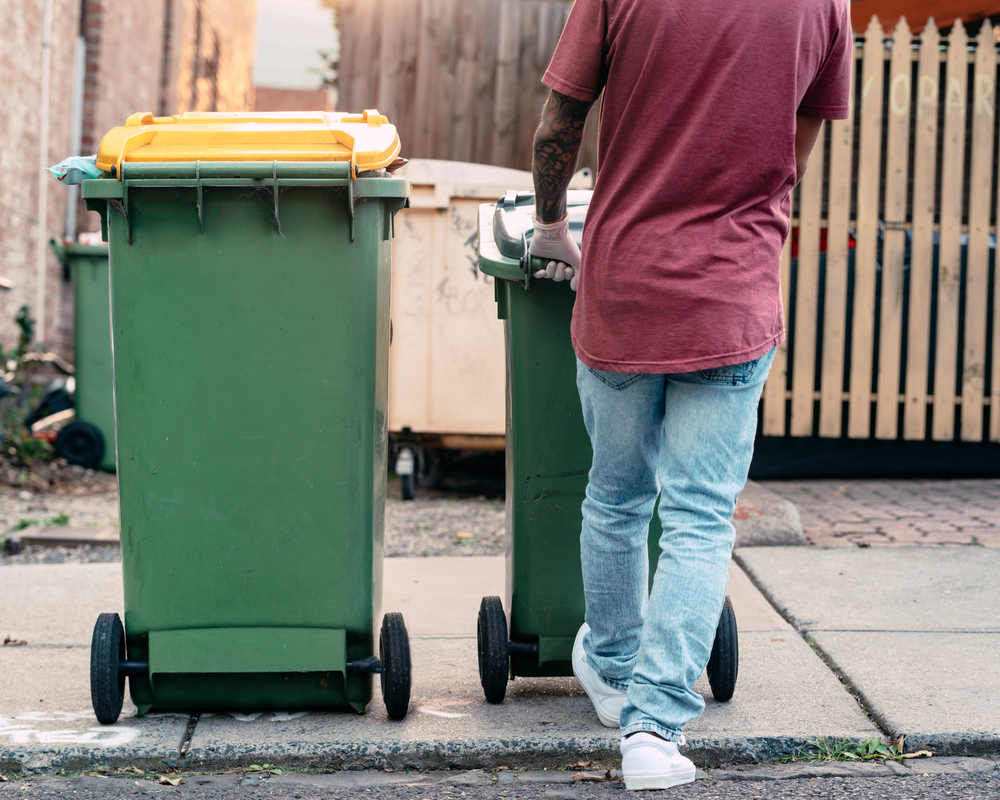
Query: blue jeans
x=687, y=439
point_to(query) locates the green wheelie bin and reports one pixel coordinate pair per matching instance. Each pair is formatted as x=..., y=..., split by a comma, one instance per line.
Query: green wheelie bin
x=531, y=632
x=90, y=439
x=250, y=265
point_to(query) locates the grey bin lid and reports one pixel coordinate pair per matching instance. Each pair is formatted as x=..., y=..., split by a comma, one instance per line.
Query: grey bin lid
x=512, y=225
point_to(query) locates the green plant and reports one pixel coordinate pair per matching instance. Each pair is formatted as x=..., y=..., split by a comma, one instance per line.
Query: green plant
x=18, y=395
x=846, y=749
x=24, y=523
x=61, y=519
x=264, y=769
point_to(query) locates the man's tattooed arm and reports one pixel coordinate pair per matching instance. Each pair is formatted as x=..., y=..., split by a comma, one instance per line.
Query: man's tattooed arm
x=557, y=144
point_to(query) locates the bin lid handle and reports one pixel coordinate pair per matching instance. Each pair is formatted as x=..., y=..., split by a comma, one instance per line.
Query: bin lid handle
x=141, y=137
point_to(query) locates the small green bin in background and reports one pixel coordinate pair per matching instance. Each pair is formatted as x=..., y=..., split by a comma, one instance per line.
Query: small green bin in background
x=250, y=259
x=548, y=459
x=90, y=439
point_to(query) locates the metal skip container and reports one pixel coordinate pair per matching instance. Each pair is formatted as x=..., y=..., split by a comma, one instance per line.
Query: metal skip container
x=250, y=260
x=446, y=366
x=531, y=631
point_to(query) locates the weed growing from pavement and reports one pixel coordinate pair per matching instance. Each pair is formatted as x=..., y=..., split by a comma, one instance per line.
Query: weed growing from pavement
x=263, y=769
x=830, y=749
x=845, y=749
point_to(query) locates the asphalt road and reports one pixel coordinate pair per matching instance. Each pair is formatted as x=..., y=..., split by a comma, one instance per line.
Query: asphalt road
x=227, y=787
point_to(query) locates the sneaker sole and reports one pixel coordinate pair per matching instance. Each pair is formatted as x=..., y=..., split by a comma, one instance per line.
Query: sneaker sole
x=640, y=781
x=606, y=720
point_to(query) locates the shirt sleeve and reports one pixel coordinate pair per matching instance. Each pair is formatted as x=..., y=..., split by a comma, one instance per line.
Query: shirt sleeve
x=578, y=67
x=828, y=97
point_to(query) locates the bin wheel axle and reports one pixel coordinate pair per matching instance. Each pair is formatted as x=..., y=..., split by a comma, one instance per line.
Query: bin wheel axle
x=522, y=648
x=133, y=669
x=371, y=665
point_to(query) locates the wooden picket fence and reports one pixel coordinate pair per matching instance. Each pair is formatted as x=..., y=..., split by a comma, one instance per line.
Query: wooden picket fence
x=892, y=332
x=890, y=299
x=460, y=79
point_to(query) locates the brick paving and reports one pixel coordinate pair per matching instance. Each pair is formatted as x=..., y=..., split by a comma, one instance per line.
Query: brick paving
x=869, y=513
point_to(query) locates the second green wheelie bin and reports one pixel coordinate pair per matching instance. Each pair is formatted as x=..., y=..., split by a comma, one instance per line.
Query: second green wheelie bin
x=250, y=259
x=90, y=439
x=548, y=458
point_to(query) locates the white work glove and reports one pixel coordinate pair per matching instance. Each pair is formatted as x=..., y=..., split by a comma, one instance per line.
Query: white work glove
x=552, y=240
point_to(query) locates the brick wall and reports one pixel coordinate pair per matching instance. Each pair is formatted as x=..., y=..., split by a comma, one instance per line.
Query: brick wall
x=124, y=63
x=164, y=56
x=124, y=70
x=21, y=59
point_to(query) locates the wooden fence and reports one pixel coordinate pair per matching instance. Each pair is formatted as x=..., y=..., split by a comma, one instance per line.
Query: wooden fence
x=891, y=329
x=890, y=297
x=460, y=79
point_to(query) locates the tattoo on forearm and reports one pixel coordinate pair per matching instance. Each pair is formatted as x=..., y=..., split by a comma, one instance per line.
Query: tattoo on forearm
x=557, y=144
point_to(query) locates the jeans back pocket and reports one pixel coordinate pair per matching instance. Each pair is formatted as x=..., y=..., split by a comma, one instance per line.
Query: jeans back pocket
x=736, y=374
x=617, y=380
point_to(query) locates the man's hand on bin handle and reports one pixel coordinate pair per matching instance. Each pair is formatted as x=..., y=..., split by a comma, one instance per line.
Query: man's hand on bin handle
x=552, y=240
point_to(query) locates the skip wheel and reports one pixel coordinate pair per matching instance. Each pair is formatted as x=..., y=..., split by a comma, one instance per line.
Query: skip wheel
x=494, y=649
x=725, y=660
x=107, y=682
x=394, y=653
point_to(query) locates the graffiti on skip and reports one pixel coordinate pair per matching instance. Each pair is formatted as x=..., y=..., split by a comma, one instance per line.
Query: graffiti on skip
x=455, y=301
x=24, y=729
x=472, y=243
x=461, y=225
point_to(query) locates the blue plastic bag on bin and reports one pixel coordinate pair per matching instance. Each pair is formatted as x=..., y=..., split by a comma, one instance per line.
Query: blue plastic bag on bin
x=76, y=169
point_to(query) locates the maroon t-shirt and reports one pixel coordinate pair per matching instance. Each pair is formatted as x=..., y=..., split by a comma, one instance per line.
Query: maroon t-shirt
x=682, y=246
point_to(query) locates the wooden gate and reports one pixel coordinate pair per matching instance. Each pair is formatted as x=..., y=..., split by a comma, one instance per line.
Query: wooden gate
x=891, y=332
x=890, y=295
x=460, y=79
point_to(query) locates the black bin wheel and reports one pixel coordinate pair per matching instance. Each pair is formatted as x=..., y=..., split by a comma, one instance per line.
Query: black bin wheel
x=494, y=649
x=107, y=682
x=724, y=662
x=394, y=653
x=408, y=483
x=427, y=471
x=408, y=486
x=80, y=443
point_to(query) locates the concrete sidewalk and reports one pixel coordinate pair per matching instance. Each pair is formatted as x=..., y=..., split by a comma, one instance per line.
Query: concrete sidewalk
x=784, y=695
x=913, y=631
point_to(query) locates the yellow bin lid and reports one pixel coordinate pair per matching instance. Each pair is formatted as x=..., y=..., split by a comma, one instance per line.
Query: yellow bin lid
x=367, y=140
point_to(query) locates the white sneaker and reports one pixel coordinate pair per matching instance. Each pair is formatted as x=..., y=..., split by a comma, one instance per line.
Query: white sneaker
x=607, y=699
x=649, y=762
